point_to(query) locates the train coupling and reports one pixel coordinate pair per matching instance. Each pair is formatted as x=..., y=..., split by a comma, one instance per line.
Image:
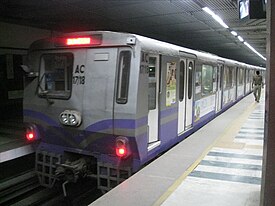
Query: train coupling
x=72, y=171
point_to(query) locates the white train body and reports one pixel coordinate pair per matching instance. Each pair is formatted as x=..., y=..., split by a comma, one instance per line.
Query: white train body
x=105, y=103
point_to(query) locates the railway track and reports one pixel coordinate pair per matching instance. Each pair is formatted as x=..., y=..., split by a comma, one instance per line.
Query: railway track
x=24, y=190
x=17, y=186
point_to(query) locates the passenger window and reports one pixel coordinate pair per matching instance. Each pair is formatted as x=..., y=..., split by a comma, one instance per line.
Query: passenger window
x=123, y=77
x=190, y=79
x=228, y=78
x=55, y=79
x=152, y=84
x=152, y=67
x=231, y=78
x=241, y=76
x=247, y=75
x=224, y=77
x=181, y=89
x=207, y=79
x=220, y=70
x=215, y=79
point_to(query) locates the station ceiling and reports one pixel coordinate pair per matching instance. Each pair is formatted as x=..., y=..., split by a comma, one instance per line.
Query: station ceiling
x=181, y=22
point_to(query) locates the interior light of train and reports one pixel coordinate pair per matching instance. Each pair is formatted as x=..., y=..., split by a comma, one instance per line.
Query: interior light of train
x=78, y=41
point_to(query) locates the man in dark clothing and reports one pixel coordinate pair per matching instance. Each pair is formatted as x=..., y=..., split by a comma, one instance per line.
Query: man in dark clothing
x=257, y=83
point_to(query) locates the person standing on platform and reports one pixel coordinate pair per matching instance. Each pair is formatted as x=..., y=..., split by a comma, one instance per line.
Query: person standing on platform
x=257, y=85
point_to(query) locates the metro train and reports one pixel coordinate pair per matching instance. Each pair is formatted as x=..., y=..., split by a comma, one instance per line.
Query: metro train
x=102, y=104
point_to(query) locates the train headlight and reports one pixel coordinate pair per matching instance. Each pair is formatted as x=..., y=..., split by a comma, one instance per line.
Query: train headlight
x=64, y=118
x=70, y=118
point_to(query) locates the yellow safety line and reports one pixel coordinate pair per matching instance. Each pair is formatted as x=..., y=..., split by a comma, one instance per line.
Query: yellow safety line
x=178, y=182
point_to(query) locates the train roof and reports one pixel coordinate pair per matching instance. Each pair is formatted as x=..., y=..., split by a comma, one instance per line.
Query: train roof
x=111, y=38
x=155, y=45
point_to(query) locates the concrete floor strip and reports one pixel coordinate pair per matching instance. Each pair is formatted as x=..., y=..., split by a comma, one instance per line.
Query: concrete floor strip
x=229, y=131
x=234, y=160
x=229, y=171
x=231, y=165
x=242, y=156
x=226, y=177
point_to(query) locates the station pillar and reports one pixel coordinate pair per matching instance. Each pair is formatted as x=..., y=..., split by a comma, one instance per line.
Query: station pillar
x=268, y=174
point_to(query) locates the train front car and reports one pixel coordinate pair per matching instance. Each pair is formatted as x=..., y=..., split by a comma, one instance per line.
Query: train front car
x=81, y=107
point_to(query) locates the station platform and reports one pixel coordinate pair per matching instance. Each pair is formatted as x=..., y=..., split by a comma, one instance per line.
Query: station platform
x=220, y=164
x=12, y=141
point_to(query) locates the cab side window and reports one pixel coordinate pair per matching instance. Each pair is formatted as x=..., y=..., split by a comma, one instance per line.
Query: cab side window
x=123, y=77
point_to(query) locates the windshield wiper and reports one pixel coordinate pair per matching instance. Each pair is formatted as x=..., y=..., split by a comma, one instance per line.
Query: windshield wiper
x=39, y=85
x=43, y=91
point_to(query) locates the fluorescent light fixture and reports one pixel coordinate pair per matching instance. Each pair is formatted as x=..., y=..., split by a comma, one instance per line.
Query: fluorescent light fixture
x=216, y=17
x=240, y=38
x=209, y=11
x=254, y=50
x=234, y=33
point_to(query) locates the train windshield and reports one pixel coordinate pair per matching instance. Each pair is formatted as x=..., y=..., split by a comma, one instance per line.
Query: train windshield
x=55, y=79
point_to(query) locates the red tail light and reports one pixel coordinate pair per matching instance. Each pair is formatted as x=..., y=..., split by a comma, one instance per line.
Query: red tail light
x=30, y=136
x=31, y=132
x=78, y=41
x=75, y=41
x=121, y=152
x=122, y=147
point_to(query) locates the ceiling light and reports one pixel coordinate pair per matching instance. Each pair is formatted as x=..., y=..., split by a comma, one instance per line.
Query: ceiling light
x=240, y=38
x=254, y=50
x=209, y=11
x=216, y=17
x=234, y=33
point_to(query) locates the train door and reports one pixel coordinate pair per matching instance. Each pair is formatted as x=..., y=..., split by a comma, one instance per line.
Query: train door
x=250, y=79
x=248, y=85
x=236, y=82
x=189, y=93
x=182, y=96
x=153, y=98
x=244, y=79
x=99, y=100
x=219, y=89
